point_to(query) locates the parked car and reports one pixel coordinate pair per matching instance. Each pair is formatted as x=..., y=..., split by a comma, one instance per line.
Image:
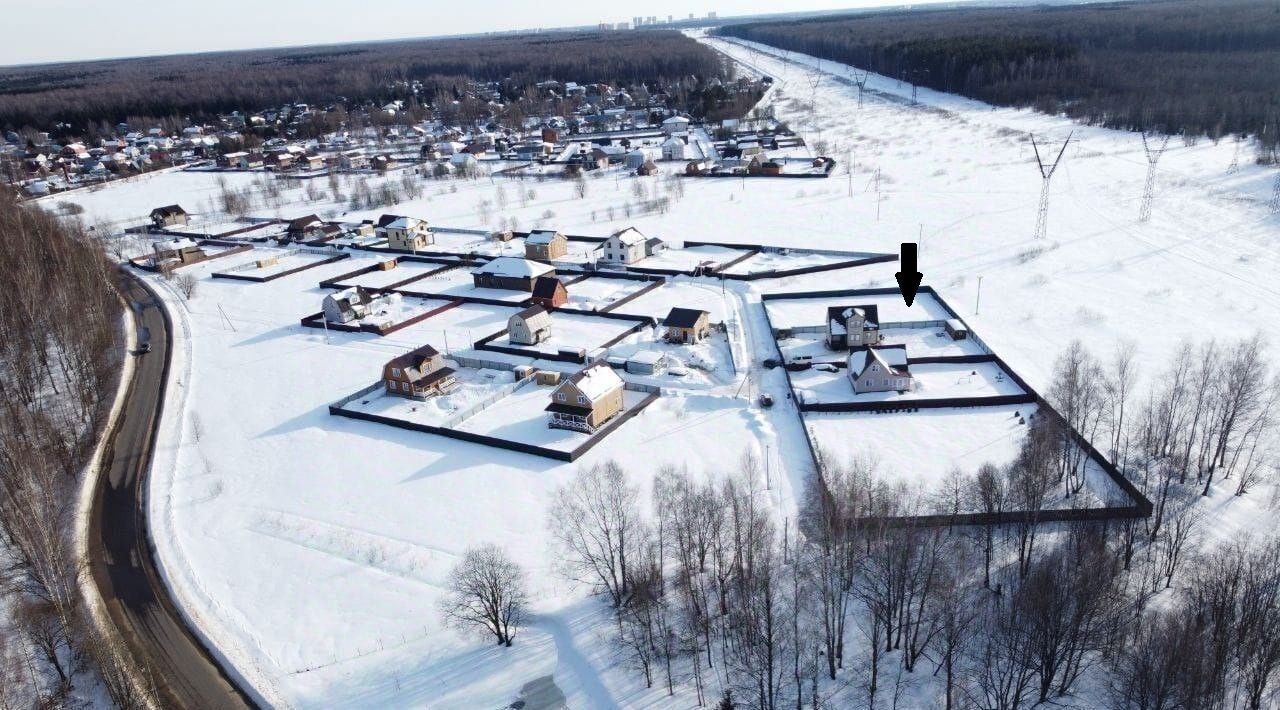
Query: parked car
x=766, y=400
x=825, y=367
x=771, y=362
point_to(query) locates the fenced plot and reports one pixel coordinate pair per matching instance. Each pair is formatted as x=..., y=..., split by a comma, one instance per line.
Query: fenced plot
x=689, y=258
x=932, y=381
x=522, y=418
x=921, y=448
x=406, y=273
x=278, y=263
x=769, y=261
x=920, y=342
x=571, y=331
x=810, y=310
x=681, y=293
x=476, y=388
x=459, y=283
x=598, y=293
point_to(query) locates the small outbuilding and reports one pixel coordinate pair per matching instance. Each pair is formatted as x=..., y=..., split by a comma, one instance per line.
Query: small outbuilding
x=957, y=329
x=647, y=362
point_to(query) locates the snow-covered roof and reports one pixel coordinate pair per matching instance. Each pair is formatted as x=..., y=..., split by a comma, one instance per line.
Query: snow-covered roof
x=177, y=244
x=648, y=357
x=541, y=236
x=514, y=267
x=893, y=359
x=596, y=381
x=405, y=223
x=629, y=236
x=674, y=120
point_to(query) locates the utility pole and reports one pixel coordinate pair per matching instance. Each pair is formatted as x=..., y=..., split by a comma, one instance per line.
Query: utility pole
x=977, y=303
x=1149, y=191
x=1046, y=174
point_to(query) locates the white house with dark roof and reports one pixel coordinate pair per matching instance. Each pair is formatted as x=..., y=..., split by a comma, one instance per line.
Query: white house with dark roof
x=880, y=369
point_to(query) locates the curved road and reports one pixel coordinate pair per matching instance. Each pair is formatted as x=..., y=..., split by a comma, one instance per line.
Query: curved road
x=121, y=559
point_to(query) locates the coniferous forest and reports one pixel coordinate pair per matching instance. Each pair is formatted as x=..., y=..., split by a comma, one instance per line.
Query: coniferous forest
x=1199, y=67
x=205, y=84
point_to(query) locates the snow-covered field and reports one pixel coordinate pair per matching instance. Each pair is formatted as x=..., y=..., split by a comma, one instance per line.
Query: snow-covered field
x=311, y=548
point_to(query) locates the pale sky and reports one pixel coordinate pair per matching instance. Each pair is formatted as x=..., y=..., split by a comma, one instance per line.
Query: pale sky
x=63, y=30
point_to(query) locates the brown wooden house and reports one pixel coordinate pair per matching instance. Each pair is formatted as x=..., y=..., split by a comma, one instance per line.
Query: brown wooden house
x=587, y=400
x=549, y=292
x=545, y=245
x=168, y=216
x=418, y=374
x=687, y=325
x=511, y=273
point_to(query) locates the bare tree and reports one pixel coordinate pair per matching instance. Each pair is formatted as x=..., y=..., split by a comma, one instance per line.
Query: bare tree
x=487, y=590
x=595, y=520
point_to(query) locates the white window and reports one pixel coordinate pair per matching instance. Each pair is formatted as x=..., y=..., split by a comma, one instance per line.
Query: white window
x=395, y=372
x=582, y=400
x=560, y=396
x=394, y=385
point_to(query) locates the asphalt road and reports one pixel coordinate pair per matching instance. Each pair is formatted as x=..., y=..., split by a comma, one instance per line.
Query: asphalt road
x=120, y=556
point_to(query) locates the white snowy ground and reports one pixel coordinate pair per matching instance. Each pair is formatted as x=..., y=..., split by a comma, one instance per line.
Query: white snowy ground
x=794, y=312
x=311, y=549
x=285, y=260
x=688, y=258
x=403, y=271
x=597, y=293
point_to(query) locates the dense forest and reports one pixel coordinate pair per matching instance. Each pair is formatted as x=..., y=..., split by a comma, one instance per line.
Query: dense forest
x=1182, y=66
x=204, y=84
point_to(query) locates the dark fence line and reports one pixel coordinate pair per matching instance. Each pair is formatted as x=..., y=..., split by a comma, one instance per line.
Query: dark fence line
x=909, y=404
x=733, y=262
x=1056, y=515
x=289, y=272
x=653, y=284
x=234, y=248
x=496, y=442
x=316, y=320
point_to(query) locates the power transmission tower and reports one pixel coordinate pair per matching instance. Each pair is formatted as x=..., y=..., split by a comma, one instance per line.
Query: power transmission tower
x=1046, y=174
x=1149, y=191
x=1235, y=159
x=861, y=81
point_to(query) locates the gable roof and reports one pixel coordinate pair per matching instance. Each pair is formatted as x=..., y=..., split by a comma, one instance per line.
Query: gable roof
x=595, y=381
x=514, y=267
x=534, y=317
x=414, y=358
x=683, y=317
x=168, y=211
x=629, y=236
x=303, y=222
x=837, y=316
x=542, y=236
x=545, y=286
x=405, y=223
x=893, y=358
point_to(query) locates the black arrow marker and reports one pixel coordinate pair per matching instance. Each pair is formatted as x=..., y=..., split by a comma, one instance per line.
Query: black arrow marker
x=908, y=277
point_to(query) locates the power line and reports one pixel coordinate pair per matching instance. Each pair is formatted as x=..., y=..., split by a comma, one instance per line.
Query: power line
x=1046, y=174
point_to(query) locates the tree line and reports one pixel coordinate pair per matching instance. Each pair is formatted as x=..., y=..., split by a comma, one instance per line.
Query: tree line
x=59, y=360
x=1178, y=66
x=713, y=594
x=203, y=85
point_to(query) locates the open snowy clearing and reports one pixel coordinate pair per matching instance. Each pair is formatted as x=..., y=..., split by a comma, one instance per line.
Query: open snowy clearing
x=598, y=292
x=679, y=292
x=774, y=261
x=932, y=381
x=689, y=258
x=956, y=439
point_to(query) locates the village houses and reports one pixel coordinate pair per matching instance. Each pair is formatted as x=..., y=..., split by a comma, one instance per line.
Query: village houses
x=545, y=245
x=349, y=305
x=549, y=292
x=686, y=325
x=852, y=327
x=409, y=234
x=625, y=246
x=511, y=273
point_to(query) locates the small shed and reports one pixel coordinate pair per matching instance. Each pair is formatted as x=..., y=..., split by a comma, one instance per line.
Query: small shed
x=957, y=329
x=549, y=292
x=530, y=326
x=647, y=362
